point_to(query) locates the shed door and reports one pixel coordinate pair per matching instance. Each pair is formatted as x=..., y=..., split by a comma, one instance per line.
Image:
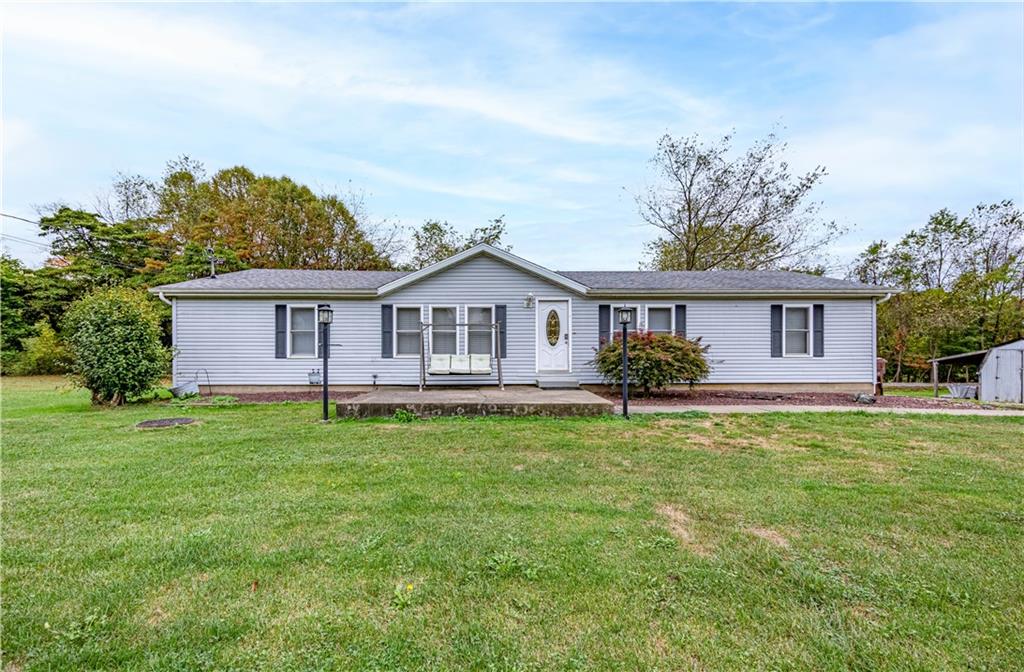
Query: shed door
x=553, y=336
x=1008, y=381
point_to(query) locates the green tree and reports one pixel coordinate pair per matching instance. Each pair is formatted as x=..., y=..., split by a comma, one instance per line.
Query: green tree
x=14, y=310
x=436, y=240
x=115, y=340
x=714, y=210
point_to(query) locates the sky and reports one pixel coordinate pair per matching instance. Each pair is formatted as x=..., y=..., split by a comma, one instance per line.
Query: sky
x=546, y=114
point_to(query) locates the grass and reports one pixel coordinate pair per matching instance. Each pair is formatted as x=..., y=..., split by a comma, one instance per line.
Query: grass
x=258, y=538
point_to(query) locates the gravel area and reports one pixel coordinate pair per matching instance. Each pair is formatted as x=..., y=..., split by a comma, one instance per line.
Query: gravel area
x=730, y=398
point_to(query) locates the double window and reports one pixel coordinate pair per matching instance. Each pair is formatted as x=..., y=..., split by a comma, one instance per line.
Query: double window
x=302, y=332
x=444, y=330
x=796, y=340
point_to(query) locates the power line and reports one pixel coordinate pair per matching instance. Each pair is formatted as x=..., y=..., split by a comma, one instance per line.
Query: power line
x=20, y=219
x=42, y=246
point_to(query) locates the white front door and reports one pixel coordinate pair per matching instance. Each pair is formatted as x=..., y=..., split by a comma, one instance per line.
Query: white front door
x=553, y=336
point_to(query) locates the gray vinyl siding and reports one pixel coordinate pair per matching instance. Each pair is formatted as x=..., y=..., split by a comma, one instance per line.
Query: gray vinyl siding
x=233, y=339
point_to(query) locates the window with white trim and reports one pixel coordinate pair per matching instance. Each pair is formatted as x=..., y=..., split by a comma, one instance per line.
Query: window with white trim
x=796, y=340
x=443, y=337
x=302, y=333
x=480, y=339
x=659, y=319
x=407, y=330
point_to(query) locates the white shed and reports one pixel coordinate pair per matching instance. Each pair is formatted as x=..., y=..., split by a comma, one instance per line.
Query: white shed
x=1001, y=374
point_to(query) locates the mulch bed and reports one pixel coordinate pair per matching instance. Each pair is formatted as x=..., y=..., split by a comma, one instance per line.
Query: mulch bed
x=731, y=398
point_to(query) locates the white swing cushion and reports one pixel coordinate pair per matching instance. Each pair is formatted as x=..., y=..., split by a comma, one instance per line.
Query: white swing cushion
x=460, y=364
x=480, y=364
x=440, y=364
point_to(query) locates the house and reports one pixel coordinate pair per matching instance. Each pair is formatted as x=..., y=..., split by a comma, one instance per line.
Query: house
x=256, y=330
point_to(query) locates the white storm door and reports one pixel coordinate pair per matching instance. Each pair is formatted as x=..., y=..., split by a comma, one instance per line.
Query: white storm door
x=553, y=336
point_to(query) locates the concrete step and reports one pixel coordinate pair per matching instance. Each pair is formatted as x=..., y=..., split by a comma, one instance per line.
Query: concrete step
x=557, y=383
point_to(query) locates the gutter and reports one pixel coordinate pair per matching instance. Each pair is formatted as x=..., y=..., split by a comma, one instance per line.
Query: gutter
x=160, y=295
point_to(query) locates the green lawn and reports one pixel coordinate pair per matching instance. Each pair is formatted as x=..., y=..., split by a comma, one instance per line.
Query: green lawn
x=261, y=539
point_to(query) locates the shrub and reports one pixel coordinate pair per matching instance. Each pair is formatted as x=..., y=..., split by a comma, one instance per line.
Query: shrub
x=114, y=337
x=655, y=360
x=42, y=354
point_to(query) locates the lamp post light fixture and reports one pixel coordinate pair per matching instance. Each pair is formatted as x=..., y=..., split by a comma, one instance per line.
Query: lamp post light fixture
x=325, y=316
x=625, y=317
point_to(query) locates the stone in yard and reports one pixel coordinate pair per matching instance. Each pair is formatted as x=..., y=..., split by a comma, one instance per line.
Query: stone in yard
x=863, y=398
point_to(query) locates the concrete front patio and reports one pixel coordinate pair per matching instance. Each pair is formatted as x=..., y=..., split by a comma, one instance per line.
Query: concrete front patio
x=475, y=401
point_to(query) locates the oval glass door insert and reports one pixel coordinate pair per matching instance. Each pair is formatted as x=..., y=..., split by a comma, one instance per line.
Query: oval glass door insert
x=554, y=327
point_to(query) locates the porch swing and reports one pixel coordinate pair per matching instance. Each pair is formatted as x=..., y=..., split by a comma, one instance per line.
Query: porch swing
x=460, y=365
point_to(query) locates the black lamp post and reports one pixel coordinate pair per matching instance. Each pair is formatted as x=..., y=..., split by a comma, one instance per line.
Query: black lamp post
x=325, y=316
x=625, y=317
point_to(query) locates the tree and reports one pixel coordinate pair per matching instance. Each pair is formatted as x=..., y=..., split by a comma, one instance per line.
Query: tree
x=714, y=211
x=437, y=240
x=655, y=360
x=15, y=325
x=962, y=282
x=115, y=340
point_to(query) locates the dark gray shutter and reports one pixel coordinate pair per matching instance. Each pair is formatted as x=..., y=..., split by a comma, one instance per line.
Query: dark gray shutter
x=604, y=324
x=500, y=315
x=819, y=330
x=281, y=331
x=387, y=349
x=776, y=330
x=680, y=320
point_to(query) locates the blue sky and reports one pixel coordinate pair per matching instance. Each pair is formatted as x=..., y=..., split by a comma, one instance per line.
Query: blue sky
x=546, y=114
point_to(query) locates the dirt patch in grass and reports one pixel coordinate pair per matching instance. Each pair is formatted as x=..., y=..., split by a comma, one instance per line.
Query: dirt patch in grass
x=773, y=537
x=681, y=527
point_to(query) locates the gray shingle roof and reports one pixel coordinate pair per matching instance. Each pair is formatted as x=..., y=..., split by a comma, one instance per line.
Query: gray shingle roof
x=288, y=279
x=712, y=280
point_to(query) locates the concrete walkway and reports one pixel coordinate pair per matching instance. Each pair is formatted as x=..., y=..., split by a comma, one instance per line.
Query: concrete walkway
x=796, y=408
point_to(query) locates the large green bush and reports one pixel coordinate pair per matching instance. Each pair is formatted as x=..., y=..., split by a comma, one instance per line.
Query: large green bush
x=114, y=336
x=655, y=360
x=43, y=354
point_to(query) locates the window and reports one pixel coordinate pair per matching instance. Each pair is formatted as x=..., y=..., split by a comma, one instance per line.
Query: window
x=302, y=336
x=659, y=319
x=443, y=340
x=407, y=331
x=481, y=336
x=797, y=326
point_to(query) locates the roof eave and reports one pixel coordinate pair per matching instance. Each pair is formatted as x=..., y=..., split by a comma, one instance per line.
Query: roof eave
x=250, y=293
x=741, y=293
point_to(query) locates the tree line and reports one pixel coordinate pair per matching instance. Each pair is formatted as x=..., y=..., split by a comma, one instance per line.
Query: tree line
x=146, y=232
x=960, y=279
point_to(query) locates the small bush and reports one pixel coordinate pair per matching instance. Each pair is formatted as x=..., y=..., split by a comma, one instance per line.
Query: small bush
x=42, y=354
x=114, y=337
x=655, y=361
x=404, y=415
